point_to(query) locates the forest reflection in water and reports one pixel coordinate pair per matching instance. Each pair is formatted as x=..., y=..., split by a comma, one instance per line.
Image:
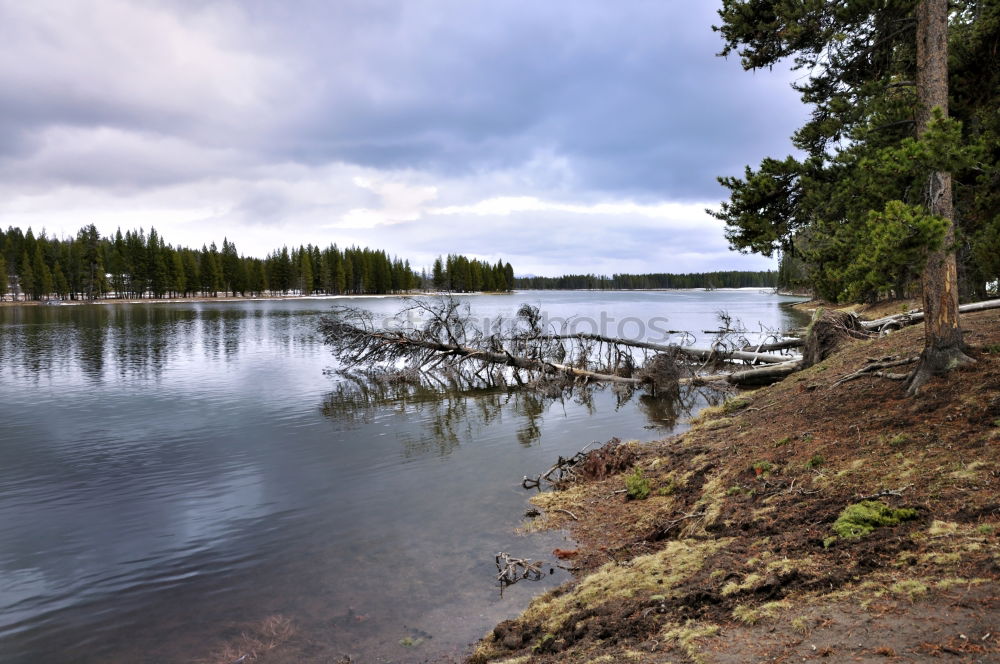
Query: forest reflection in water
x=452, y=413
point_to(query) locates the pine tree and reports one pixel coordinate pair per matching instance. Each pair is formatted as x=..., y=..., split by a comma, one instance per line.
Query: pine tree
x=879, y=146
x=3, y=277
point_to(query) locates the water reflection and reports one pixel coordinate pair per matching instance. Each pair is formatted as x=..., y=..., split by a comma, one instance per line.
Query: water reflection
x=448, y=414
x=134, y=342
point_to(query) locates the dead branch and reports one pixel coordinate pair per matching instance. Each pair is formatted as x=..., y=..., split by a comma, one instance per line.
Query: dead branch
x=661, y=532
x=511, y=570
x=876, y=369
x=885, y=492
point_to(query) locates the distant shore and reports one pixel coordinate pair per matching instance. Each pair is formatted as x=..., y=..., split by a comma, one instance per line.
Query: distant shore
x=265, y=298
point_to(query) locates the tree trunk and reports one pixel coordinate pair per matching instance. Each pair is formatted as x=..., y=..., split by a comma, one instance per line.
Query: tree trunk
x=943, y=345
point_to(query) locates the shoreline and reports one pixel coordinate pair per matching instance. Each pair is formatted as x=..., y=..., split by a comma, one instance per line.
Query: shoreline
x=268, y=298
x=736, y=556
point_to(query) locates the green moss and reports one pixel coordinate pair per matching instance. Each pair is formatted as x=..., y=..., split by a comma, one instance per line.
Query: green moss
x=733, y=405
x=637, y=486
x=899, y=440
x=815, y=462
x=862, y=518
x=781, y=442
x=544, y=643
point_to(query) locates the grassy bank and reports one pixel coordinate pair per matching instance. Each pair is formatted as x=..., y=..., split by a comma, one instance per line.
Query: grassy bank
x=804, y=521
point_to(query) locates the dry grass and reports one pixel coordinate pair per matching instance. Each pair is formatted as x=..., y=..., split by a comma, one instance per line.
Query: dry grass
x=254, y=641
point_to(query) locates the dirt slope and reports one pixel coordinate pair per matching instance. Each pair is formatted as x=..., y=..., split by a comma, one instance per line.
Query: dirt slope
x=734, y=556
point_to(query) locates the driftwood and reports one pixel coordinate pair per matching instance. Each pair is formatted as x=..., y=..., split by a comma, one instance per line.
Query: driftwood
x=511, y=570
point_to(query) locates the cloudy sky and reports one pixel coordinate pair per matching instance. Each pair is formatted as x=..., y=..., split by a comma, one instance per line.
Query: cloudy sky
x=561, y=135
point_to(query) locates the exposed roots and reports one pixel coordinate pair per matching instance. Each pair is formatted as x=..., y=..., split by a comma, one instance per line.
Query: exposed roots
x=934, y=362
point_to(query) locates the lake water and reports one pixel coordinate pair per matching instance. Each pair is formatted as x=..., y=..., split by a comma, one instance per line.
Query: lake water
x=172, y=476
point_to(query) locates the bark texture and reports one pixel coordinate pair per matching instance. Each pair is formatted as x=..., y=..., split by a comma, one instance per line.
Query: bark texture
x=943, y=344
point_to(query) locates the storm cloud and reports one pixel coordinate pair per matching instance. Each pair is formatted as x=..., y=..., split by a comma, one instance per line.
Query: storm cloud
x=386, y=123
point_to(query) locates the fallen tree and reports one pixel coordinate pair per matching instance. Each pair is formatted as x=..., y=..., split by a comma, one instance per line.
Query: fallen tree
x=520, y=352
x=889, y=323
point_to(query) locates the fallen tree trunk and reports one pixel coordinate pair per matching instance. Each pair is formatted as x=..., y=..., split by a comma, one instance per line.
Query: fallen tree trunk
x=449, y=340
x=914, y=316
x=764, y=375
x=487, y=357
x=694, y=353
x=780, y=345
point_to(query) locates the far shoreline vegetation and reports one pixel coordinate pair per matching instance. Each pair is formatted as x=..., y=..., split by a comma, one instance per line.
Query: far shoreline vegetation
x=653, y=281
x=136, y=266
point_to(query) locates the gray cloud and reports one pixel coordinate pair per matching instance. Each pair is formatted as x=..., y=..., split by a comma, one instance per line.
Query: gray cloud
x=261, y=115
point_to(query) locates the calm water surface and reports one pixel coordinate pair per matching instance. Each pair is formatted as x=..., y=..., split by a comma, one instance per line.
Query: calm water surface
x=173, y=475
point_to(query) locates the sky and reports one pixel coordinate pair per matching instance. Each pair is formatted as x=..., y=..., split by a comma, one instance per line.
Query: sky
x=564, y=136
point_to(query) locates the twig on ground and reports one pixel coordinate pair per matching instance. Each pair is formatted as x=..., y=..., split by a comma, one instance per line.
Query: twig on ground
x=875, y=370
x=886, y=492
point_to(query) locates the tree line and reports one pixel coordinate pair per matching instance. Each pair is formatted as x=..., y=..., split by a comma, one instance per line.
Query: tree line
x=136, y=265
x=721, y=279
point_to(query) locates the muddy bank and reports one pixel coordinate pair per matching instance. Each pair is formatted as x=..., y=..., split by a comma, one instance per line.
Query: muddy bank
x=806, y=520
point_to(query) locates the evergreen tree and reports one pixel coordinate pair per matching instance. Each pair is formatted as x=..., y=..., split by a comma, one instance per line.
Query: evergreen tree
x=437, y=274
x=306, y=270
x=870, y=207
x=26, y=283
x=59, y=281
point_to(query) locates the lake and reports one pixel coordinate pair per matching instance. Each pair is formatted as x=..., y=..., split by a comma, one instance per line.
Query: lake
x=187, y=481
